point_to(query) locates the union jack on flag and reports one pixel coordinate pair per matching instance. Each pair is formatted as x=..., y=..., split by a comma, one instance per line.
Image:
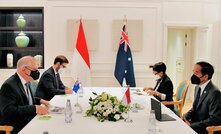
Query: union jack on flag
x=124, y=38
x=76, y=86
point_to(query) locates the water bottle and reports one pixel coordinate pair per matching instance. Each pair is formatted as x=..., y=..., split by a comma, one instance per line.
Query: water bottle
x=80, y=91
x=152, y=123
x=68, y=112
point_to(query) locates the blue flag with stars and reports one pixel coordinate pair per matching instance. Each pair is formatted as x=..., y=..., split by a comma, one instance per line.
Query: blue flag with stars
x=124, y=62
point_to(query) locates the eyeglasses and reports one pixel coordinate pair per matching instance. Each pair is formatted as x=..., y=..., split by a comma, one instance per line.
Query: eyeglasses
x=156, y=73
x=29, y=68
x=64, y=65
x=198, y=74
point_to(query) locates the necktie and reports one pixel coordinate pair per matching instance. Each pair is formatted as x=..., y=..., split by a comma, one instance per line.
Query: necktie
x=197, y=98
x=27, y=85
x=57, y=80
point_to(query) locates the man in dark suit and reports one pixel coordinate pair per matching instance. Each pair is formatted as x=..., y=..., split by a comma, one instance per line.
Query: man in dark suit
x=163, y=90
x=50, y=83
x=206, y=109
x=17, y=106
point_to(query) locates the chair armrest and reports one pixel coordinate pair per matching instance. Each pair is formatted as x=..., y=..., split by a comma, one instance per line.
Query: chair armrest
x=211, y=129
x=172, y=102
x=7, y=129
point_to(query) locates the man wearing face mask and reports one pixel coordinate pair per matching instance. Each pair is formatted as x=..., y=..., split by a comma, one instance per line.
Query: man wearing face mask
x=163, y=90
x=17, y=104
x=206, y=109
x=50, y=83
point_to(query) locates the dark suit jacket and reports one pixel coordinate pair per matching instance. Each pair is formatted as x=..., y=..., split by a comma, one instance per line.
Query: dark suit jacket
x=208, y=110
x=47, y=86
x=166, y=87
x=14, y=107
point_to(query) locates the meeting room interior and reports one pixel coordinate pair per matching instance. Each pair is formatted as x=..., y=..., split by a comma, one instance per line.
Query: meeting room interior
x=93, y=66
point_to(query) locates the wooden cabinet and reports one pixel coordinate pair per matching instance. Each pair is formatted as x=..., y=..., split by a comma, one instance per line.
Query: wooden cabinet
x=34, y=29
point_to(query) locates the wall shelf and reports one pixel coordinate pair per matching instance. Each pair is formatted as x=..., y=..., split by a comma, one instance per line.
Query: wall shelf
x=34, y=29
x=23, y=29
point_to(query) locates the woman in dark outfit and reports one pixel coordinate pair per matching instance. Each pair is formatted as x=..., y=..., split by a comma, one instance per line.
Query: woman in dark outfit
x=163, y=90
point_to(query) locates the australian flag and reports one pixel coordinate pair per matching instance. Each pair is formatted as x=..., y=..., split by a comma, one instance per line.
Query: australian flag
x=76, y=86
x=124, y=63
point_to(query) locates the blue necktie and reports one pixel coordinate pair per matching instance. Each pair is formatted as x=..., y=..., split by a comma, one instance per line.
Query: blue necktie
x=197, y=98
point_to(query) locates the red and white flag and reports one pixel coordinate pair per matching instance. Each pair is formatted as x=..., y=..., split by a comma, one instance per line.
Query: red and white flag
x=81, y=59
x=126, y=98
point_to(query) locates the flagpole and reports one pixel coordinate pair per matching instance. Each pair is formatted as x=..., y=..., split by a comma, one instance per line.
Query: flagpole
x=78, y=104
x=125, y=19
x=77, y=99
x=128, y=119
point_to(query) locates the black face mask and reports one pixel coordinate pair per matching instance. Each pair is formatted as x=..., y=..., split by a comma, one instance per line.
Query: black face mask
x=195, y=79
x=35, y=74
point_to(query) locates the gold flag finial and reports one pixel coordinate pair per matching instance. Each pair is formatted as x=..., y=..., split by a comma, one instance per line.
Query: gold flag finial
x=125, y=19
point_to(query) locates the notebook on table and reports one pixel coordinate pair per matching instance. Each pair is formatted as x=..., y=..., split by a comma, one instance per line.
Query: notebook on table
x=156, y=106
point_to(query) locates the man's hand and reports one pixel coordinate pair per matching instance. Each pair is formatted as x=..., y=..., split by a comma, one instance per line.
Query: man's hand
x=68, y=90
x=186, y=121
x=46, y=103
x=147, y=88
x=41, y=110
x=155, y=93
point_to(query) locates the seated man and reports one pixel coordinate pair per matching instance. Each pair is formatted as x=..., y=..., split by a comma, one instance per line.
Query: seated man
x=163, y=90
x=50, y=83
x=206, y=109
x=17, y=104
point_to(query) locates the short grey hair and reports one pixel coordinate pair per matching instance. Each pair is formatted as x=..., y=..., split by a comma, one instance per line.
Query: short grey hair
x=25, y=61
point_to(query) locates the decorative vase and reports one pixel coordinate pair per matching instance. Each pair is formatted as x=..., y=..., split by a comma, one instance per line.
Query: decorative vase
x=22, y=40
x=39, y=59
x=10, y=60
x=21, y=21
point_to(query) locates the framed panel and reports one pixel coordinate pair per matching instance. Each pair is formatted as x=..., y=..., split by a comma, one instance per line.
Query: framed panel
x=135, y=34
x=90, y=31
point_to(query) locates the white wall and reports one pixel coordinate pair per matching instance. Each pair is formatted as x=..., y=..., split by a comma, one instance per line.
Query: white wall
x=196, y=14
x=103, y=59
x=153, y=14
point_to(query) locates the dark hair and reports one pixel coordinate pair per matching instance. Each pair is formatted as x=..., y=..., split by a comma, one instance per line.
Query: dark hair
x=207, y=68
x=158, y=67
x=61, y=59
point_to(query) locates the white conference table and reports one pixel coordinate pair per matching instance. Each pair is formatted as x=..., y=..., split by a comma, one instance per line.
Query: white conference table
x=89, y=125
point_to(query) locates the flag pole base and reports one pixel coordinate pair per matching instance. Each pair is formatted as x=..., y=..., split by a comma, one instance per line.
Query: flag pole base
x=134, y=110
x=128, y=120
x=80, y=110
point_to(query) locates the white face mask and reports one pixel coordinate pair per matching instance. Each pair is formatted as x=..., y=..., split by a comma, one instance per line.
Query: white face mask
x=156, y=77
x=61, y=70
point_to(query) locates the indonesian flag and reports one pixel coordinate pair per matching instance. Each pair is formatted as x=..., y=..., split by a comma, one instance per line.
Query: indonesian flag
x=126, y=98
x=81, y=59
